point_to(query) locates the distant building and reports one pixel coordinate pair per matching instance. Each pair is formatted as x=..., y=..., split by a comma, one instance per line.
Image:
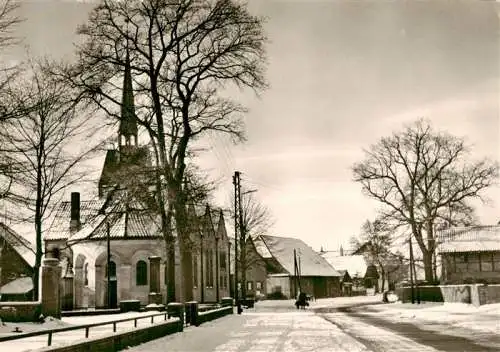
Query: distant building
x=316, y=276
x=354, y=265
x=470, y=254
x=17, y=258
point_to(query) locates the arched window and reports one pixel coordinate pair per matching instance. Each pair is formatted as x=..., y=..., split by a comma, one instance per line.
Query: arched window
x=86, y=274
x=141, y=273
x=112, y=270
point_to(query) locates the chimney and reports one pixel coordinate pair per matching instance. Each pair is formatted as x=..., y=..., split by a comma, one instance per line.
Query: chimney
x=74, y=224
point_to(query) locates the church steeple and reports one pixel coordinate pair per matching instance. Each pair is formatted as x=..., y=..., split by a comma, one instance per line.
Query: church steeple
x=128, y=124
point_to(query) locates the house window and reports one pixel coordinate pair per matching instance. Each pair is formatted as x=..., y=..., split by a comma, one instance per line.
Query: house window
x=486, y=262
x=223, y=281
x=195, y=271
x=223, y=260
x=86, y=274
x=141, y=274
x=258, y=285
x=56, y=253
x=249, y=285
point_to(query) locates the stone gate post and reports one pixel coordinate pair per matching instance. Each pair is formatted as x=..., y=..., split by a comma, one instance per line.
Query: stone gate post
x=50, y=290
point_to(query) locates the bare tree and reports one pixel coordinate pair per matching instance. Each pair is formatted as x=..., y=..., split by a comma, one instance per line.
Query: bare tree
x=8, y=22
x=423, y=178
x=183, y=54
x=256, y=219
x=41, y=148
x=375, y=243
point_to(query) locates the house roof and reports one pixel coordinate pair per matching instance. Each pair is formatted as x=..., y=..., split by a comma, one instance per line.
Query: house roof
x=354, y=264
x=469, y=239
x=21, y=245
x=18, y=286
x=282, y=250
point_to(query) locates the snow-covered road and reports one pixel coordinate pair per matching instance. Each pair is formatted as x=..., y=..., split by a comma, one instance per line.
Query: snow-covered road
x=297, y=331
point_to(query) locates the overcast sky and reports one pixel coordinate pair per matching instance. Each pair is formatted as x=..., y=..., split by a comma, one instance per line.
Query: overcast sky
x=342, y=75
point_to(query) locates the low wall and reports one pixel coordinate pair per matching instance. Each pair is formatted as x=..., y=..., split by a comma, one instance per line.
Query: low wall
x=488, y=294
x=122, y=340
x=476, y=294
x=20, y=311
x=213, y=314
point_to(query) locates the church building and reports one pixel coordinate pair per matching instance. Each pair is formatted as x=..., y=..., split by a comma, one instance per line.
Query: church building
x=112, y=249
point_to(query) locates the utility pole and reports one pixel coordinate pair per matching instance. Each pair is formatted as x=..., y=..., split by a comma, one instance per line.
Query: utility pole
x=108, y=265
x=237, y=197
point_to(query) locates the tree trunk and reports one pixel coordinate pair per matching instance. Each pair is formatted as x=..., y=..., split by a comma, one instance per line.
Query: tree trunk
x=382, y=275
x=427, y=257
x=185, y=247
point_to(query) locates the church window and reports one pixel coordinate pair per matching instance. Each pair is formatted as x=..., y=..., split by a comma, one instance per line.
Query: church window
x=141, y=274
x=195, y=271
x=210, y=269
x=223, y=260
x=86, y=274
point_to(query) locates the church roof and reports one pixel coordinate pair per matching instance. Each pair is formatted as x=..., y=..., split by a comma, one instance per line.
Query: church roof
x=282, y=250
x=21, y=245
x=59, y=229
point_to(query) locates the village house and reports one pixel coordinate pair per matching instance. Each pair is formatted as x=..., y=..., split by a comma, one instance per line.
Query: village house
x=274, y=269
x=121, y=228
x=17, y=258
x=352, y=267
x=470, y=254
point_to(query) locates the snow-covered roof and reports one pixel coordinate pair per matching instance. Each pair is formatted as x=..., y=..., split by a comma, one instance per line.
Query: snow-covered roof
x=355, y=265
x=20, y=244
x=18, y=286
x=469, y=239
x=282, y=250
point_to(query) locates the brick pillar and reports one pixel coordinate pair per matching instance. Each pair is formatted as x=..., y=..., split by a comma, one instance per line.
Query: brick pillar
x=51, y=278
x=155, y=296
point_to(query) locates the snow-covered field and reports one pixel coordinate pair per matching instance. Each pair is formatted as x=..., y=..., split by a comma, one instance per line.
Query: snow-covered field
x=476, y=320
x=37, y=342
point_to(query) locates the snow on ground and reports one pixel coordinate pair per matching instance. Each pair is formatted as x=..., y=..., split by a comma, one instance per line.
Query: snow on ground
x=254, y=331
x=484, y=319
x=380, y=339
x=289, y=305
x=32, y=343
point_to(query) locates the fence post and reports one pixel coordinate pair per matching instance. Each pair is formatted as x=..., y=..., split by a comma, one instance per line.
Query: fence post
x=49, y=342
x=87, y=332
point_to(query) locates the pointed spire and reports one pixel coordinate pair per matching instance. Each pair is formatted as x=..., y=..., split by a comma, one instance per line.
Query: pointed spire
x=221, y=226
x=128, y=124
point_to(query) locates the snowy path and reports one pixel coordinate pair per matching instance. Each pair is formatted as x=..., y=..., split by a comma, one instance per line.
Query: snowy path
x=298, y=331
